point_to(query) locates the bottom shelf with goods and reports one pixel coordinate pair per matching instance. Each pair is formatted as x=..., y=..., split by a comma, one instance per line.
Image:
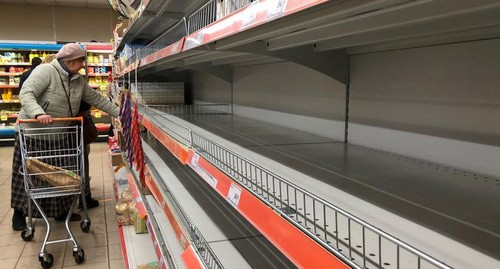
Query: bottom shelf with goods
x=137, y=248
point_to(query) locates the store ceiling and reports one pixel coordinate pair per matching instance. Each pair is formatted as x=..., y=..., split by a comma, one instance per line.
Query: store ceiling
x=102, y=4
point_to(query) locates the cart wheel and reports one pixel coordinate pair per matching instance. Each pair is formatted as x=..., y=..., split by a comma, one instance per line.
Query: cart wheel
x=85, y=225
x=79, y=256
x=47, y=261
x=27, y=236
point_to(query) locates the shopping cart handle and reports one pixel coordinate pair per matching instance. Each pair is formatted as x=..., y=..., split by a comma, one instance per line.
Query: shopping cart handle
x=80, y=119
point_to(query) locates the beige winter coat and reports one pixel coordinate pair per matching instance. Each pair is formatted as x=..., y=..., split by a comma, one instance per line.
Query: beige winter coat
x=43, y=93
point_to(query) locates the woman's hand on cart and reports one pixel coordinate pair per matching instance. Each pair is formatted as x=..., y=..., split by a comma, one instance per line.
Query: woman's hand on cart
x=44, y=119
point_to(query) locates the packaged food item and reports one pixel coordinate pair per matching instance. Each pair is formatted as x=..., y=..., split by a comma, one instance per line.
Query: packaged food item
x=139, y=223
x=127, y=196
x=132, y=208
x=122, y=213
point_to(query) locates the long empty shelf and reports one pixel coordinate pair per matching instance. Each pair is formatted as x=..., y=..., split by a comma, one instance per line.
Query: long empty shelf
x=461, y=205
x=236, y=243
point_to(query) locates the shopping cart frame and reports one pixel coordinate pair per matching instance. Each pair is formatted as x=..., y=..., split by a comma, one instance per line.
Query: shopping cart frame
x=69, y=154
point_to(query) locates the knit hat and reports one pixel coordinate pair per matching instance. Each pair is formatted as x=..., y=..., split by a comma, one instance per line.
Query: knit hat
x=71, y=51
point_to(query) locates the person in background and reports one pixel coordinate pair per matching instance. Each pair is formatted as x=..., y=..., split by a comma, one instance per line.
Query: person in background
x=49, y=58
x=109, y=93
x=36, y=61
x=91, y=203
x=52, y=90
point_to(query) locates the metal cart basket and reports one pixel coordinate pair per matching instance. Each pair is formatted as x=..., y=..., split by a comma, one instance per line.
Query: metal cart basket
x=52, y=166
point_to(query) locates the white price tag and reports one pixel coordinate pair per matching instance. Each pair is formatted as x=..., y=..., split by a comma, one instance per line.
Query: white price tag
x=194, y=160
x=234, y=194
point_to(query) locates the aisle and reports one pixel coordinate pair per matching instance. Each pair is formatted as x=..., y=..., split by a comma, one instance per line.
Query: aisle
x=101, y=244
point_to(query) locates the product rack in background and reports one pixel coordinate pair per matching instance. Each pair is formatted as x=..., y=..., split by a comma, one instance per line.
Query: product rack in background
x=99, y=70
x=15, y=59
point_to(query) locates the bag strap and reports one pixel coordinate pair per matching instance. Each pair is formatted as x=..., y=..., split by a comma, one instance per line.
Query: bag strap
x=66, y=92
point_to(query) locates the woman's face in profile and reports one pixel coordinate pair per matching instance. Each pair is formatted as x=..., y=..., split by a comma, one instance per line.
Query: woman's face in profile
x=75, y=65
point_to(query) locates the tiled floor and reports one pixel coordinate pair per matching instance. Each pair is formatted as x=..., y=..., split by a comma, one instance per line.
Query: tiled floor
x=101, y=244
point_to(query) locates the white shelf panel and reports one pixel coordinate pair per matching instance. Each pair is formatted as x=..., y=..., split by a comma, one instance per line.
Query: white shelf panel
x=140, y=249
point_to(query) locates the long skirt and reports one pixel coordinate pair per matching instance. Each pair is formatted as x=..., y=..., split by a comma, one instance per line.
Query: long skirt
x=52, y=207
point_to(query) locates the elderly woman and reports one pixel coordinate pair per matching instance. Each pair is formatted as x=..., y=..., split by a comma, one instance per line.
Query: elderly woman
x=53, y=89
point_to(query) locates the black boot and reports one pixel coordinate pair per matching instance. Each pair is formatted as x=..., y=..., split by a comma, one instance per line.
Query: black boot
x=91, y=203
x=18, y=220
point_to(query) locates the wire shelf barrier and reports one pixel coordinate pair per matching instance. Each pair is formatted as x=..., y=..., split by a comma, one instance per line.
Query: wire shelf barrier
x=228, y=7
x=172, y=35
x=206, y=109
x=204, y=16
x=178, y=132
x=210, y=12
x=359, y=243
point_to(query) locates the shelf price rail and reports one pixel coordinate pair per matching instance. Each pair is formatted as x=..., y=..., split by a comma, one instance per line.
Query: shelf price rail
x=355, y=242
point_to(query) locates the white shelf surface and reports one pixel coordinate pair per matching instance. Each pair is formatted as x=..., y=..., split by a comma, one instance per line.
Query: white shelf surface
x=140, y=249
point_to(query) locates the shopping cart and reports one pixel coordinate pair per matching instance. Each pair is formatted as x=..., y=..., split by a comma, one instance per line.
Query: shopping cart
x=52, y=166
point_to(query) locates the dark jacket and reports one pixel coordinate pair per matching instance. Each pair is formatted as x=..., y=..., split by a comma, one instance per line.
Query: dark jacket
x=24, y=77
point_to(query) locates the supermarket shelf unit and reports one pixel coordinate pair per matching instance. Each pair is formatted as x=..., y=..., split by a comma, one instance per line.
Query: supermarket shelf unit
x=303, y=32
x=15, y=59
x=246, y=185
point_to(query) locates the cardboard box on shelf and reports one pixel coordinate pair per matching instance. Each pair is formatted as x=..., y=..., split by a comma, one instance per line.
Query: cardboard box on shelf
x=116, y=158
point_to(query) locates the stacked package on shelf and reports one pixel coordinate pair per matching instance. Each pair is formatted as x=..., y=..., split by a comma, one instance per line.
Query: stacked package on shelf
x=125, y=208
x=130, y=127
x=156, y=93
x=127, y=213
